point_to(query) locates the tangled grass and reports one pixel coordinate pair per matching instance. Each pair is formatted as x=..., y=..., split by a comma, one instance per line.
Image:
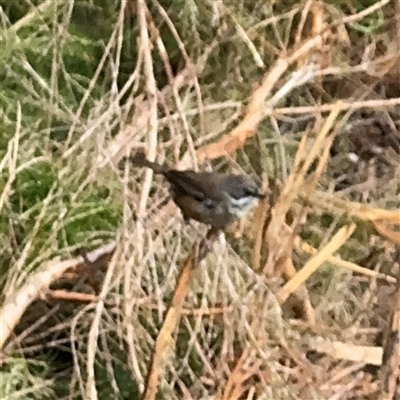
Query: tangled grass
x=282, y=305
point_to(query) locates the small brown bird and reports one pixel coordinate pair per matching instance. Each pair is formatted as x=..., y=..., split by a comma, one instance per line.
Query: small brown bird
x=213, y=198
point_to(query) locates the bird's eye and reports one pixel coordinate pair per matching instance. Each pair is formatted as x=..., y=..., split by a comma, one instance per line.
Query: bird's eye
x=200, y=199
x=251, y=192
x=208, y=203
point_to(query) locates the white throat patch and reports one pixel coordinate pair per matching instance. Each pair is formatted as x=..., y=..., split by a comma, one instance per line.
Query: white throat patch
x=240, y=206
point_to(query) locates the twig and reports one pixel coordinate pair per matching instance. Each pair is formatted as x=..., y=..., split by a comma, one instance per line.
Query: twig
x=375, y=104
x=31, y=16
x=164, y=56
x=188, y=61
x=255, y=111
x=173, y=313
x=152, y=96
x=15, y=304
x=91, y=390
x=315, y=262
x=350, y=266
x=70, y=296
x=347, y=351
x=76, y=117
x=247, y=41
x=390, y=369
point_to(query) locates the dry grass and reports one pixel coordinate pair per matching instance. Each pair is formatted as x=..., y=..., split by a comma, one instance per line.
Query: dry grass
x=291, y=305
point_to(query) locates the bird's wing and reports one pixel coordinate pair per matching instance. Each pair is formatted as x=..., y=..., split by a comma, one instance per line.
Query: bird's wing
x=198, y=185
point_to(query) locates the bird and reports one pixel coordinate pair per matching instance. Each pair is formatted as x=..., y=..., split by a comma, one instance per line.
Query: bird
x=213, y=198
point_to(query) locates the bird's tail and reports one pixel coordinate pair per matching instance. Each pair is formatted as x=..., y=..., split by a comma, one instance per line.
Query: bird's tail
x=139, y=160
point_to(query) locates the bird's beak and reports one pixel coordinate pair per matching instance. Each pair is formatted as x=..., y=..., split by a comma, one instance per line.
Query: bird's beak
x=261, y=196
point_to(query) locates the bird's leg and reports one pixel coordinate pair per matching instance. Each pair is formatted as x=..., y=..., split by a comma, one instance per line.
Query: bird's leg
x=187, y=220
x=206, y=244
